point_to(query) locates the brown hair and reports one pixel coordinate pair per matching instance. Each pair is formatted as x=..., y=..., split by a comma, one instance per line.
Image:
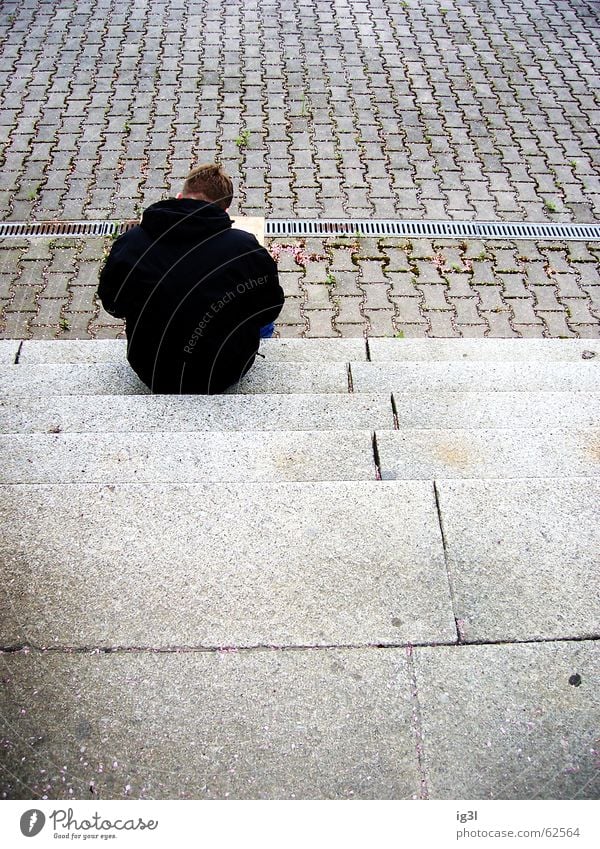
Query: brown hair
x=211, y=182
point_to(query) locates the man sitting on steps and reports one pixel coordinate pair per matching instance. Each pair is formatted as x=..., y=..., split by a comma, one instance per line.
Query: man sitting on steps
x=195, y=293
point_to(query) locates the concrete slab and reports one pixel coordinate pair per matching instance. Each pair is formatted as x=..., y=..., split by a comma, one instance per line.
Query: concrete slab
x=168, y=413
x=74, y=351
x=496, y=409
x=182, y=457
x=331, y=563
x=114, y=350
x=505, y=722
x=482, y=376
x=119, y=379
x=489, y=453
x=319, y=724
x=70, y=379
x=314, y=350
x=523, y=557
x=8, y=351
x=504, y=350
x=292, y=377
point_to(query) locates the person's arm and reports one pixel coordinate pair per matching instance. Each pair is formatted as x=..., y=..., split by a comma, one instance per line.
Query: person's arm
x=113, y=278
x=272, y=296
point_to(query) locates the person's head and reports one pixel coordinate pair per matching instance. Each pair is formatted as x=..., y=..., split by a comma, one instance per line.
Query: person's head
x=209, y=183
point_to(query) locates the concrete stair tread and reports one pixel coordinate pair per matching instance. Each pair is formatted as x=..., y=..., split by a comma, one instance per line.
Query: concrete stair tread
x=187, y=457
x=500, y=350
x=324, y=724
x=298, y=411
x=253, y=455
x=114, y=350
x=483, y=376
x=287, y=377
x=223, y=564
x=118, y=378
x=318, y=563
x=434, y=453
x=8, y=351
x=149, y=413
x=320, y=350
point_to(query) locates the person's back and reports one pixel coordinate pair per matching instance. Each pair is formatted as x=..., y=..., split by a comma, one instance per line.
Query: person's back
x=194, y=292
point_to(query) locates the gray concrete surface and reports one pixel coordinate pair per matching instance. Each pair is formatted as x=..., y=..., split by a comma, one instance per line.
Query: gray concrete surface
x=523, y=557
x=70, y=379
x=293, y=377
x=169, y=414
x=8, y=351
x=228, y=456
x=334, y=724
x=223, y=564
x=500, y=350
x=534, y=452
x=504, y=722
x=486, y=376
x=114, y=350
x=496, y=409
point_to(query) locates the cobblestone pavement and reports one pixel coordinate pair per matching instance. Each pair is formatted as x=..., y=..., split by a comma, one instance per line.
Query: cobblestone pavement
x=342, y=108
x=376, y=287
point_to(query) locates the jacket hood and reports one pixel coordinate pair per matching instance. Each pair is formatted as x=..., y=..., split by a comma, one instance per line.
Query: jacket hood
x=184, y=218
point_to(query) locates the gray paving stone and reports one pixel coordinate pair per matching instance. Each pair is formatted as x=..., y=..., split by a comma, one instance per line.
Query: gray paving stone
x=503, y=350
x=491, y=376
x=504, y=722
x=523, y=556
x=8, y=350
x=341, y=563
x=495, y=409
x=187, y=457
x=496, y=452
x=193, y=413
x=328, y=724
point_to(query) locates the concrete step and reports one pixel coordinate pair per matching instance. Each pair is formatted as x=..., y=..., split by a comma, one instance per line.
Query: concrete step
x=194, y=413
x=114, y=350
x=247, y=564
x=499, y=350
x=290, y=377
x=313, y=724
x=328, y=350
x=476, y=376
x=168, y=413
x=118, y=379
x=523, y=557
x=434, y=453
x=495, y=409
x=187, y=457
x=8, y=351
x=221, y=456
x=336, y=723
x=286, y=564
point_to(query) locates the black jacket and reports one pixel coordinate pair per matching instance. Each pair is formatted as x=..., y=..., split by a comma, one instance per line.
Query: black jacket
x=194, y=294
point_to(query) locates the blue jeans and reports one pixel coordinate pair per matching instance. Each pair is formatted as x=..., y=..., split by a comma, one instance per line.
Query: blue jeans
x=267, y=331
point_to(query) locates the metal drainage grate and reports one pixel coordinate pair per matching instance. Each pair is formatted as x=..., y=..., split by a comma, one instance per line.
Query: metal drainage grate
x=336, y=227
x=16, y=229
x=424, y=229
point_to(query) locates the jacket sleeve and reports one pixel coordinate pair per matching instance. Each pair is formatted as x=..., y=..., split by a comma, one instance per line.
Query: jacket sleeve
x=272, y=295
x=112, y=288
